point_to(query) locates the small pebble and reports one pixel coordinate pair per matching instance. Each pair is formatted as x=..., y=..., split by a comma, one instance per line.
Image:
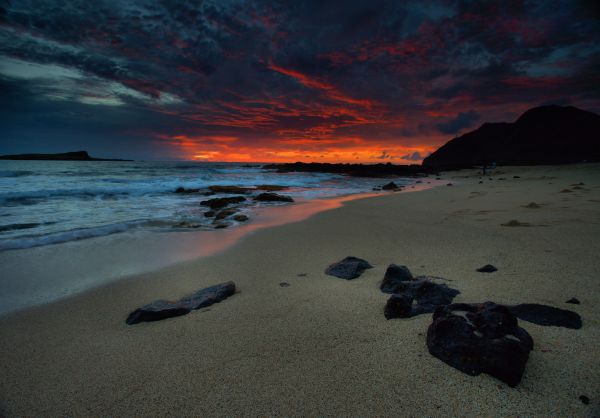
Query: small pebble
x=284, y=284
x=573, y=300
x=488, y=268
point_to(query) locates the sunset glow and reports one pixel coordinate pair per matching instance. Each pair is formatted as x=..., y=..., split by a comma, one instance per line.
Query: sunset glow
x=249, y=80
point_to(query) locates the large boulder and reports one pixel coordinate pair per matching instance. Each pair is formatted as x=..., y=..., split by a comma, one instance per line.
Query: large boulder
x=394, y=275
x=221, y=202
x=480, y=338
x=162, y=309
x=349, y=268
x=272, y=197
x=546, y=315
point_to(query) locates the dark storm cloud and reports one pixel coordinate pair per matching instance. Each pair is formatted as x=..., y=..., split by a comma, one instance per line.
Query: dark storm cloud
x=304, y=72
x=461, y=121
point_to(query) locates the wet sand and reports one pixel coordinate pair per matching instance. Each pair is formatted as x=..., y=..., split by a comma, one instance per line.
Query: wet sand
x=321, y=346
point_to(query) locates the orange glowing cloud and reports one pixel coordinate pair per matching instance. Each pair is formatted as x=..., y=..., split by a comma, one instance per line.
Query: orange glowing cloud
x=313, y=83
x=352, y=149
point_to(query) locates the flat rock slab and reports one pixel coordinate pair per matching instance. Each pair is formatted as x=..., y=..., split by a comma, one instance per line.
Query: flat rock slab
x=162, y=309
x=546, y=315
x=349, y=268
x=480, y=338
x=425, y=296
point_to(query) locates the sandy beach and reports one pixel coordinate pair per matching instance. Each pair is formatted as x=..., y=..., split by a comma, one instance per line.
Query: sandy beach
x=321, y=346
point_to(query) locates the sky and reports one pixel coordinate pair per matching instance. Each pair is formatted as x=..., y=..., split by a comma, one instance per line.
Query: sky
x=281, y=81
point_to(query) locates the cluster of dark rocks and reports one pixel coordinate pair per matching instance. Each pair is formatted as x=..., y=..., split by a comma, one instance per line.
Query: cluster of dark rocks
x=222, y=210
x=474, y=338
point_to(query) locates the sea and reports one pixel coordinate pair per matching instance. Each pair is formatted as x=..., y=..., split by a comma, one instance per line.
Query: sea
x=51, y=202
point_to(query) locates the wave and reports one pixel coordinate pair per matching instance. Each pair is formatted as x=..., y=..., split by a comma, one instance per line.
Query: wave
x=77, y=234
x=15, y=173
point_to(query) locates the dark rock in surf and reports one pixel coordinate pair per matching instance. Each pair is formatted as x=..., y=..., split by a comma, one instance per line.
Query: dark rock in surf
x=240, y=218
x=162, y=309
x=349, y=268
x=272, y=197
x=229, y=189
x=185, y=191
x=546, y=315
x=390, y=186
x=221, y=202
x=480, y=338
x=225, y=213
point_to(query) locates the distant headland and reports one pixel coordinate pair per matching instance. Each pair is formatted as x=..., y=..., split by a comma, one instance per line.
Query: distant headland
x=65, y=156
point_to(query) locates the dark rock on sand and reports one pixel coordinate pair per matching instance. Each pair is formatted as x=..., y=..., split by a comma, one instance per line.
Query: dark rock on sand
x=584, y=400
x=273, y=197
x=449, y=184
x=514, y=222
x=390, y=186
x=488, y=268
x=574, y=301
x=546, y=315
x=240, y=218
x=349, y=268
x=393, y=276
x=229, y=189
x=284, y=284
x=208, y=296
x=398, y=306
x=480, y=338
x=532, y=205
x=426, y=294
x=225, y=213
x=155, y=311
x=221, y=202
x=162, y=309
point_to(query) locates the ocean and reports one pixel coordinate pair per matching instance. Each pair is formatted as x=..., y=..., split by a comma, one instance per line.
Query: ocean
x=50, y=202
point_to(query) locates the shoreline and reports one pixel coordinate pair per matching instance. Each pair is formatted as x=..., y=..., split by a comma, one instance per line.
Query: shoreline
x=321, y=345
x=55, y=275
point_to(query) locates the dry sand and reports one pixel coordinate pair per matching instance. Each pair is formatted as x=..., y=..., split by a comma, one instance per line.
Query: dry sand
x=322, y=347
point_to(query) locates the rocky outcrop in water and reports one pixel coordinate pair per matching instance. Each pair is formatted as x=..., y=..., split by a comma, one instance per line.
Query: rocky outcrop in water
x=162, y=309
x=229, y=189
x=221, y=202
x=480, y=338
x=349, y=268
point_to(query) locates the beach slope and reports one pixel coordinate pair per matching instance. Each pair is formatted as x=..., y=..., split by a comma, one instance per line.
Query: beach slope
x=321, y=345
